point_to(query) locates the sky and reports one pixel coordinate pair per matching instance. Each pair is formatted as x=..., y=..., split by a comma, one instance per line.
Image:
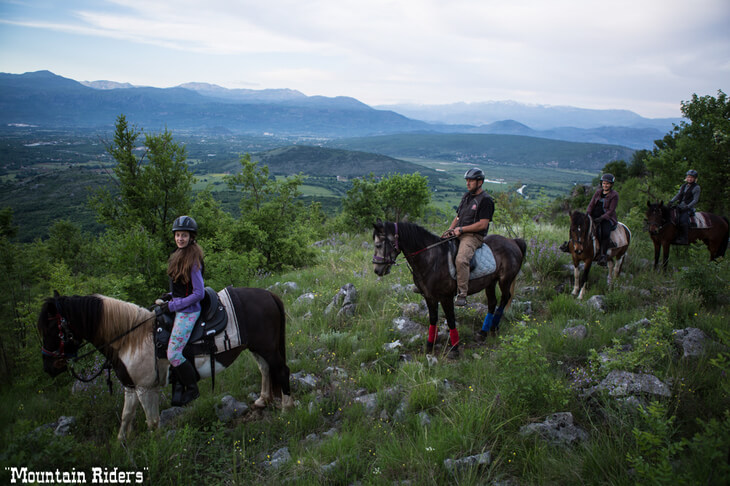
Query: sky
x=646, y=56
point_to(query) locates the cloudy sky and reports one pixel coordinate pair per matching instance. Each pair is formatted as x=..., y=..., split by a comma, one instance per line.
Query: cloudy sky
x=642, y=55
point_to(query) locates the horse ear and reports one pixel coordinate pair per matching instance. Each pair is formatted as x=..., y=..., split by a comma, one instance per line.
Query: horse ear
x=56, y=294
x=661, y=203
x=648, y=203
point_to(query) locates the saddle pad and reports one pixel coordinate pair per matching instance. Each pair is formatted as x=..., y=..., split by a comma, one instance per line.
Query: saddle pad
x=619, y=237
x=231, y=337
x=700, y=220
x=484, y=260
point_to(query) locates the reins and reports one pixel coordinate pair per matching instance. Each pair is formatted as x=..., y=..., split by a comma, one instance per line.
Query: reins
x=66, y=328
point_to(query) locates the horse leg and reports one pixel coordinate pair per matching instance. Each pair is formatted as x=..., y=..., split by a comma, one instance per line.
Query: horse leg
x=584, y=279
x=506, y=288
x=609, y=278
x=448, y=306
x=576, y=279
x=150, y=400
x=433, y=315
x=657, y=250
x=128, y=411
x=665, y=257
x=266, y=395
x=489, y=290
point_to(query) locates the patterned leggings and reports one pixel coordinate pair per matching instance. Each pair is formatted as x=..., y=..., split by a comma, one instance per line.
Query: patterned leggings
x=184, y=322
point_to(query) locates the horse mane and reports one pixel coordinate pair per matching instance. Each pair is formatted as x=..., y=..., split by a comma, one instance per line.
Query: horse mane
x=411, y=235
x=119, y=317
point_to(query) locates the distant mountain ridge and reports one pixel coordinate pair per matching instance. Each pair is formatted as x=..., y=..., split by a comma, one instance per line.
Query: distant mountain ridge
x=44, y=99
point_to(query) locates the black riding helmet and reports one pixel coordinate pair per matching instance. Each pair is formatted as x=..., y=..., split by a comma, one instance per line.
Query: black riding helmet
x=185, y=223
x=608, y=178
x=692, y=173
x=474, y=173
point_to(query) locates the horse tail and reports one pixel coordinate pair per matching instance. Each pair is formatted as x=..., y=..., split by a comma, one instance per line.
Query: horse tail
x=723, y=245
x=280, y=374
x=522, y=245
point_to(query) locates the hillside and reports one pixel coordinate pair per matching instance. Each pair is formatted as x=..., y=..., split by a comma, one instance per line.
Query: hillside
x=488, y=149
x=322, y=161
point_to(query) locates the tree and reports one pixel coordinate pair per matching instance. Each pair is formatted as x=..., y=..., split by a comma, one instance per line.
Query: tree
x=702, y=144
x=273, y=219
x=362, y=205
x=154, y=188
x=404, y=196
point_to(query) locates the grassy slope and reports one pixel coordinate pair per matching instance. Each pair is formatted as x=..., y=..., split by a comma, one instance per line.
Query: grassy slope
x=475, y=404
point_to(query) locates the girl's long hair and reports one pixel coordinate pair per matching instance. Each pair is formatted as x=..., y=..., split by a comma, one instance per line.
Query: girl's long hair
x=182, y=260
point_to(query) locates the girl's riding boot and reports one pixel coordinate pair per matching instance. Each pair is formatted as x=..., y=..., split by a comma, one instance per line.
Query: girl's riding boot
x=187, y=376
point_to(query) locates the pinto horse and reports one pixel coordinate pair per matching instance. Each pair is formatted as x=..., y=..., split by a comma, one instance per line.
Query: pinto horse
x=123, y=333
x=663, y=232
x=584, y=247
x=428, y=256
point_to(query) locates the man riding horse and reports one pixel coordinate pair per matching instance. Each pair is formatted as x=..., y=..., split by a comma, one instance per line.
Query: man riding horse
x=470, y=225
x=686, y=200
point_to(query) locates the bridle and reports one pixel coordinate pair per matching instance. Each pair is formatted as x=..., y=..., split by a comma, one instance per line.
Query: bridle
x=579, y=233
x=390, y=260
x=660, y=227
x=67, y=338
x=395, y=250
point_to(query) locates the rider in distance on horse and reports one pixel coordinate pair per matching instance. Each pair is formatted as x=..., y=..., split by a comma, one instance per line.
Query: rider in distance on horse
x=185, y=269
x=470, y=225
x=602, y=209
x=686, y=200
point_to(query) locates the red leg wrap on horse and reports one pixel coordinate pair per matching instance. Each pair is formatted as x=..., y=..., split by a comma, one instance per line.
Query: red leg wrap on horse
x=431, y=334
x=454, y=335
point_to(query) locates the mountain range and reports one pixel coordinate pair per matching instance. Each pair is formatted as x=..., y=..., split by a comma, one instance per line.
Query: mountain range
x=46, y=100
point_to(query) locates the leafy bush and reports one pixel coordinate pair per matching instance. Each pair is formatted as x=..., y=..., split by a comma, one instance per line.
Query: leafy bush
x=525, y=378
x=545, y=259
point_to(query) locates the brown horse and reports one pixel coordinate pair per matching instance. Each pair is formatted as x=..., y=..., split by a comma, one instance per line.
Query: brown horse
x=122, y=331
x=428, y=256
x=663, y=232
x=584, y=247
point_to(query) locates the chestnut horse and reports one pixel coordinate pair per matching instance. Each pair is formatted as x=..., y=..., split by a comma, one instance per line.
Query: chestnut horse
x=663, y=232
x=123, y=333
x=428, y=256
x=584, y=247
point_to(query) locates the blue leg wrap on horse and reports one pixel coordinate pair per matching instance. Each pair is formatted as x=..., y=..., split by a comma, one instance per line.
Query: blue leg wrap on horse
x=487, y=322
x=497, y=317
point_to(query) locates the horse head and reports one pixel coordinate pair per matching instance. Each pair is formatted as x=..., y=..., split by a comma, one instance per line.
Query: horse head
x=58, y=340
x=657, y=215
x=580, y=231
x=385, y=239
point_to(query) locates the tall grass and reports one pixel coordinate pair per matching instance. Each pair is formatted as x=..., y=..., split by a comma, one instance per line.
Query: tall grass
x=428, y=412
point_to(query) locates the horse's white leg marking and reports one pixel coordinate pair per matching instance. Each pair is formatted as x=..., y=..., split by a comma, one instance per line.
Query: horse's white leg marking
x=265, y=382
x=150, y=400
x=582, y=291
x=576, y=277
x=609, y=277
x=130, y=407
x=286, y=402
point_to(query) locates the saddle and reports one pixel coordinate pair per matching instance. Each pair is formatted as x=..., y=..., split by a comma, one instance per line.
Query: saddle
x=212, y=321
x=481, y=264
x=697, y=220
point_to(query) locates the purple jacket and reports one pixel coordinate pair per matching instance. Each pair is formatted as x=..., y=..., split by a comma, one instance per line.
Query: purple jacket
x=609, y=205
x=191, y=302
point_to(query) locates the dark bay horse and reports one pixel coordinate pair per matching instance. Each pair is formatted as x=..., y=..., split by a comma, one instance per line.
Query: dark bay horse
x=584, y=247
x=123, y=333
x=663, y=232
x=429, y=261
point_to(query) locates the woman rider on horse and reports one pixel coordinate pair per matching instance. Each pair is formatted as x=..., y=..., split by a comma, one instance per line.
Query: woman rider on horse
x=602, y=209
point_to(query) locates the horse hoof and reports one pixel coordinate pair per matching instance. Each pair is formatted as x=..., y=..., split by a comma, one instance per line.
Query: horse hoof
x=481, y=336
x=259, y=403
x=429, y=348
x=454, y=353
